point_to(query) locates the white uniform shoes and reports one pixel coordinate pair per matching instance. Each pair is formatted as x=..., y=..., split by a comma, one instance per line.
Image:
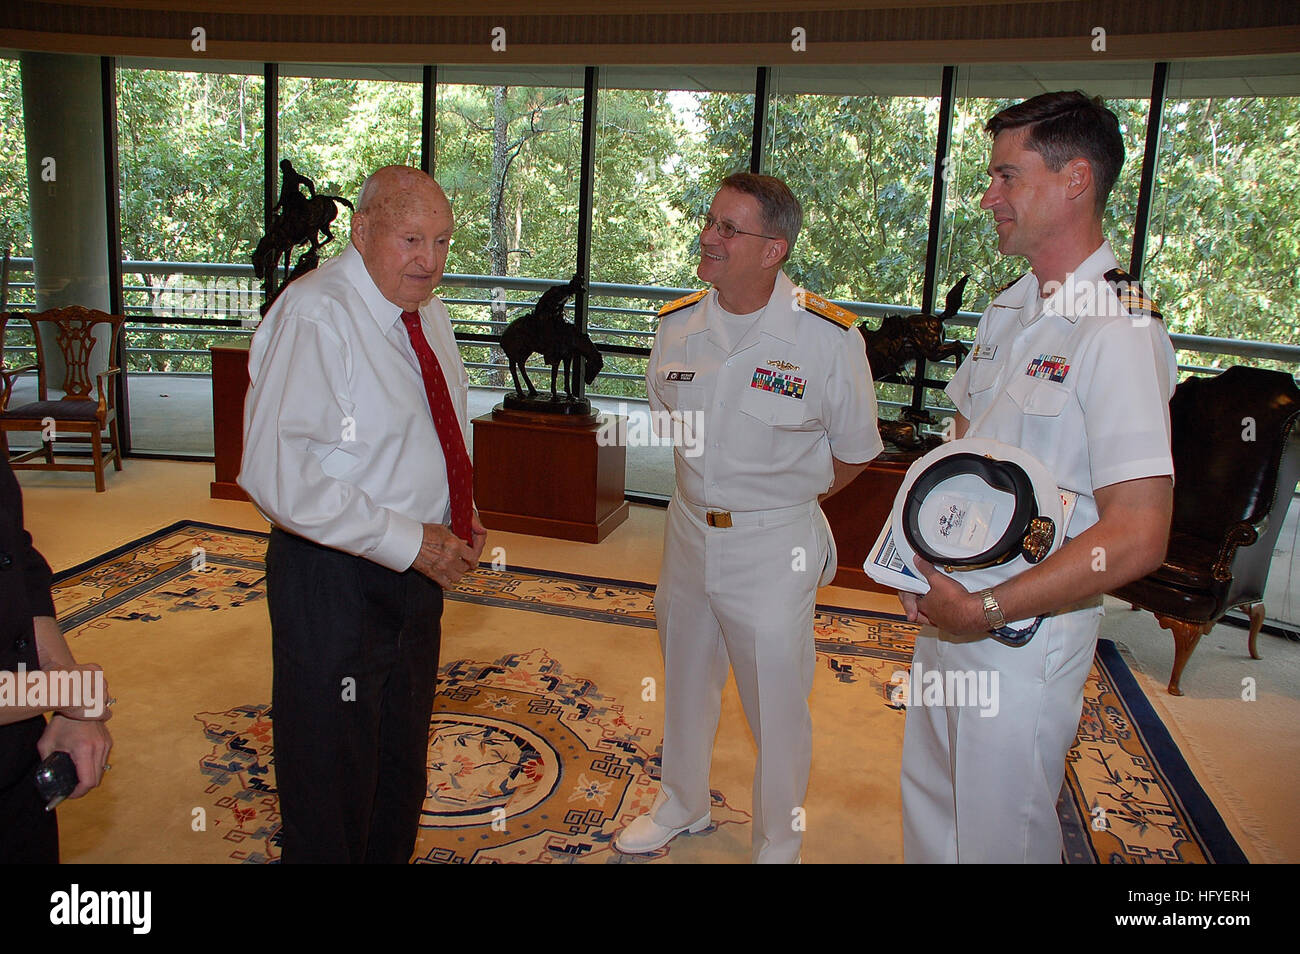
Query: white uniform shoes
x=644, y=835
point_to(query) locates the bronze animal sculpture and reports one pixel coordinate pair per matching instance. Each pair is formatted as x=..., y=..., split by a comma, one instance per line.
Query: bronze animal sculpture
x=544, y=331
x=901, y=339
x=904, y=338
x=298, y=220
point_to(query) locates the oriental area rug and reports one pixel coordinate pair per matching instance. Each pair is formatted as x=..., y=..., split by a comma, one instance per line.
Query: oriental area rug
x=544, y=741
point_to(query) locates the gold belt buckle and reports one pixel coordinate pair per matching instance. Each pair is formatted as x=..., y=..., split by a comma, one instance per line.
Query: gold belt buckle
x=718, y=518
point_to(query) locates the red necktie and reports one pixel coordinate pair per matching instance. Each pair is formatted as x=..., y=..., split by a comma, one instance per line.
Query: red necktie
x=460, y=472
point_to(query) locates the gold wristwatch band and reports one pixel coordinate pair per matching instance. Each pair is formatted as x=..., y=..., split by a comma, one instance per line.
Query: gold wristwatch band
x=992, y=611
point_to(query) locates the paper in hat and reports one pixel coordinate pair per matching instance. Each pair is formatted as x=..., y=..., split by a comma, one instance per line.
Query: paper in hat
x=980, y=510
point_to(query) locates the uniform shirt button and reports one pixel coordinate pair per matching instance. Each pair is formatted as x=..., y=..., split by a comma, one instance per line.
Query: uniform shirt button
x=728, y=364
x=21, y=642
x=6, y=561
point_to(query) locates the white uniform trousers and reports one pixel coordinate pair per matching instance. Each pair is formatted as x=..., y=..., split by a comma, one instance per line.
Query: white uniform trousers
x=981, y=788
x=744, y=596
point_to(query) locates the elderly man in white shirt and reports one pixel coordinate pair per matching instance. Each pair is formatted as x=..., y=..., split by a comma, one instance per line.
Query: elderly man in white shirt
x=355, y=449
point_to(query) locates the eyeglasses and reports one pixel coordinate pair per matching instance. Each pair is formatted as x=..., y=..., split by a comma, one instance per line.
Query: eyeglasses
x=726, y=230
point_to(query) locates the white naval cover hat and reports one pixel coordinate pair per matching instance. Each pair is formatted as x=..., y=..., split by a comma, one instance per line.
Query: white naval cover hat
x=980, y=510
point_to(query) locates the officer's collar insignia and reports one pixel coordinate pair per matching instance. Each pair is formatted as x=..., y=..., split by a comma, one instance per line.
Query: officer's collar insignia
x=684, y=302
x=823, y=308
x=1131, y=295
x=783, y=365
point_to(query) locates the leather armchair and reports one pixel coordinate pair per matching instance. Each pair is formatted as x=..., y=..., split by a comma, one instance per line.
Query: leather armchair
x=1236, y=453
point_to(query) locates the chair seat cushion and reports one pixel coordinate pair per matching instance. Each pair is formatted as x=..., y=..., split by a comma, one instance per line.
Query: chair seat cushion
x=59, y=410
x=1164, y=600
x=1189, y=562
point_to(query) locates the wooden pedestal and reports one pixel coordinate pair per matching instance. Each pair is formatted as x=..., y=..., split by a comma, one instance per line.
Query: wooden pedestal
x=547, y=477
x=229, y=387
x=857, y=513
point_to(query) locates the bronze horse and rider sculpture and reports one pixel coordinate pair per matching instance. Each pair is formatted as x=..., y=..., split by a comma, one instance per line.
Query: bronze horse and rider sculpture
x=297, y=219
x=900, y=340
x=544, y=330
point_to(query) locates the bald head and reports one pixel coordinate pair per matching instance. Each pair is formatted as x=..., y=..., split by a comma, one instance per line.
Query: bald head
x=402, y=228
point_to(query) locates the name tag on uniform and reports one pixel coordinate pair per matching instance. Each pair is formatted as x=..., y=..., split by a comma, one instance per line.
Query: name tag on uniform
x=680, y=376
x=778, y=383
x=983, y=352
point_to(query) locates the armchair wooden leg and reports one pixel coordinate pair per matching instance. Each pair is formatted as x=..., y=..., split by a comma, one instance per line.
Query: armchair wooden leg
x=1186, y=636
x=1256, y=624
x=117, y=445
x=97, y=449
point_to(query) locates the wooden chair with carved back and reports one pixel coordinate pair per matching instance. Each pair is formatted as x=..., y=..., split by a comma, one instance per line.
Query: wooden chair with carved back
x=87, y=408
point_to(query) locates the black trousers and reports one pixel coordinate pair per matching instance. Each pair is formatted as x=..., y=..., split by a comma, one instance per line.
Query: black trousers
x=28, y=833
x=355, y=647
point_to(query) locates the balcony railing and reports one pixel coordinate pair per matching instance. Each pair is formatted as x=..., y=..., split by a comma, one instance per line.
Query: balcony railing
x=203, y=303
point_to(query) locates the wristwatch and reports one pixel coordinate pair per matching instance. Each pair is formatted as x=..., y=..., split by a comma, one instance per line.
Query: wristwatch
x=992, y=611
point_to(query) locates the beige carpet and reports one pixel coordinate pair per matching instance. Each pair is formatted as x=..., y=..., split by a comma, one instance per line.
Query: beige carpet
x=1244, y=752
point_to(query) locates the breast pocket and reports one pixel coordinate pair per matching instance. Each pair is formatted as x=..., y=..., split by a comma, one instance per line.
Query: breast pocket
x=1038, y=397
x=983, y=375
x=682, y=395
x=774, y=410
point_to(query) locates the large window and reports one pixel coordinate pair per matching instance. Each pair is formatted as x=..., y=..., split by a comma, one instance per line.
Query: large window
x=190, y=152
x=969, y=243
x=1223, y=251
x=856, y=145
x=15, y=218
x=337, y=129
x=508, y=155
x=665, y=138
x=15, y=238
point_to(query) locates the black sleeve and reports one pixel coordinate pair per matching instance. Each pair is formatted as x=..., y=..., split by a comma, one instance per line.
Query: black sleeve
x=36, y=575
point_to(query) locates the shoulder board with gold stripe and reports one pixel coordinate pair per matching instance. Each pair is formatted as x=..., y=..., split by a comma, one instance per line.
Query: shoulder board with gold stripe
x=822, y=308
x=1131, y=295
x=684, y=302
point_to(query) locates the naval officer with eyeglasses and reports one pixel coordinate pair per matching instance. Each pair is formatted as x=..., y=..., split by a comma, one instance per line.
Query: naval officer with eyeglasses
x=778, y=381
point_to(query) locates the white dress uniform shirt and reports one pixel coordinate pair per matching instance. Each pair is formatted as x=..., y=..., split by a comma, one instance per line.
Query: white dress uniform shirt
x=339, y=443
x=1074, y=380
x=776, y=405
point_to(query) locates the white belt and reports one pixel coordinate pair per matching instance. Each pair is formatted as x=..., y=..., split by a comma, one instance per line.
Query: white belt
x=722, y=519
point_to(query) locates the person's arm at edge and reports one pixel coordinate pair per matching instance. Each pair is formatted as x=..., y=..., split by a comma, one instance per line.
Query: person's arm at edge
x=75, y=731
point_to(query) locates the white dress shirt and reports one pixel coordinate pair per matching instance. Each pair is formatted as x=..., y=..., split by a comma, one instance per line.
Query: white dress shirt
x=339, y=443
x=763, y=450
x=1098, y=413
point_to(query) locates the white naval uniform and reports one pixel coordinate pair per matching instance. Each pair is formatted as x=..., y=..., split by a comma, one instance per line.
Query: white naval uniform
x=778, y=397
x=1084, y=386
